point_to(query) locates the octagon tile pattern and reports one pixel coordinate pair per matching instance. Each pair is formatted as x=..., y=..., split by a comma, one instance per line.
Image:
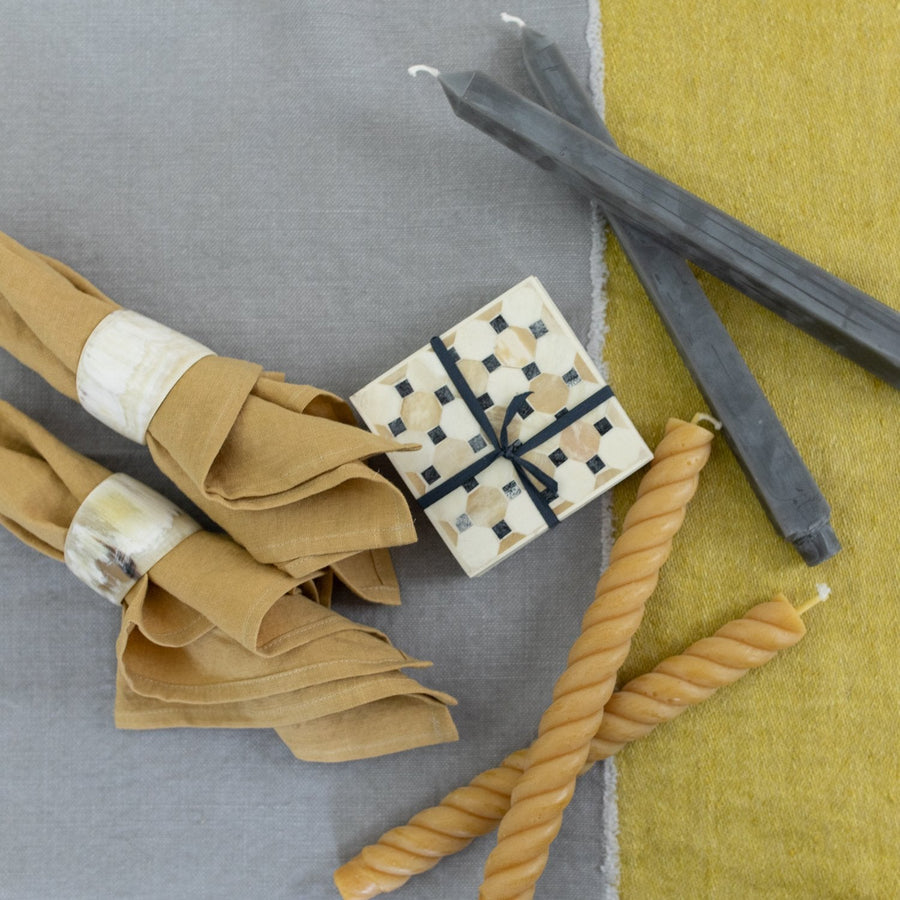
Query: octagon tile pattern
x=518, y=342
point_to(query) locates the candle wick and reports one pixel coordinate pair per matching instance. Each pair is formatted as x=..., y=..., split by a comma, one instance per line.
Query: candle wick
x=514, y=20
x=414, y=70
x=823, y=591
x=703, y=417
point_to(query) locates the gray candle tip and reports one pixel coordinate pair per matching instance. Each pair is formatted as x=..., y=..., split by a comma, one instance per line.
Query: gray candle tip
x=513, y=20
x=534, y=41
x=818, y=545
x=456, y=84
x=414, y=70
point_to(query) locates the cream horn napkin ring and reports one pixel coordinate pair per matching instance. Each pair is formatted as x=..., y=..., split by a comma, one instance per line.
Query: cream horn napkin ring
x=127, y=367
x=120, y=531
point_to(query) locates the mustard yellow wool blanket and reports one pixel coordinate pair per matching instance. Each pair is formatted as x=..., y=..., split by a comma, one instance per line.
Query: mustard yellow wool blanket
x=784, y=115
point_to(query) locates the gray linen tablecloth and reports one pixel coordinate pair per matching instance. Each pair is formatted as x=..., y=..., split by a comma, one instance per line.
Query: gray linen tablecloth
x=268, y=179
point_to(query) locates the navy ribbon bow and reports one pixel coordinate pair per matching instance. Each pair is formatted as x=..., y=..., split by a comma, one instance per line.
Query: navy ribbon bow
x=514, y=451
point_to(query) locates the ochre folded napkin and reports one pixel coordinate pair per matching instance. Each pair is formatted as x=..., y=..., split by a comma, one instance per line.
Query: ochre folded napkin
x=212, y=638
x=279, y=466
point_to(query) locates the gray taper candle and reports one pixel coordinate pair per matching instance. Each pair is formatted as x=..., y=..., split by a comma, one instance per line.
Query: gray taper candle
x=834, y=312
x=771, y=462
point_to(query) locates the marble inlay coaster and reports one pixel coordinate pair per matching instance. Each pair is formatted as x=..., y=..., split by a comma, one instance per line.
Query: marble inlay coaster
x=517, y=343
x=120, y=531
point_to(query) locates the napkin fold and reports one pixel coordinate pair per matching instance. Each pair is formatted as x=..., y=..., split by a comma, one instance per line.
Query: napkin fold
x=279, y=466
x=212, y=638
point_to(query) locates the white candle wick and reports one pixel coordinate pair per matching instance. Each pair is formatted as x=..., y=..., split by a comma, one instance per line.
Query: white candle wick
x=513, y=20
x=703, y=417
x=823, y=591
x=414, y=70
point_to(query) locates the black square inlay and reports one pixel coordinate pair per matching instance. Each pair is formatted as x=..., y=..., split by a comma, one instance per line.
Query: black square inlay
x=477, y=443
x=557, y=457
x=462, y=523
x=604, y=426
x=531, y=370
x=404, y=388
x=397, y=427
x=595, y=464
x=470, y=485
x=444, y=394
x=431, y=475
x=525, y=410
x=511, y=489
x=560, y=413
x=437, y=434
x=454, y=355
x=491, y=362
x=501, y=529
x=571, y=377
x=485, y=401
x=548, y=495
x=498, y=323
x=538, y=328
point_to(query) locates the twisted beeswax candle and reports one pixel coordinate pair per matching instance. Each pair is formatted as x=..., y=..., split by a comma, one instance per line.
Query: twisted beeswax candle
x=676, y=684
x=573, y=717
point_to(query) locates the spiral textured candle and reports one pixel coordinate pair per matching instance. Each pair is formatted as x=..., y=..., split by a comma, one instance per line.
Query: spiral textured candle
x=572, y=719
x=576, y=710
x=676, y=684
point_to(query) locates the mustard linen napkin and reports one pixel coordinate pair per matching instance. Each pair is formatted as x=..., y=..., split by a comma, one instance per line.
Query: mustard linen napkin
x=212, y=638
x=784, y=115
x=279, y=466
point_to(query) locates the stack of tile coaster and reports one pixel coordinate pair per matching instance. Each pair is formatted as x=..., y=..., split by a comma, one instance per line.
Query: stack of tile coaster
x=518, y=343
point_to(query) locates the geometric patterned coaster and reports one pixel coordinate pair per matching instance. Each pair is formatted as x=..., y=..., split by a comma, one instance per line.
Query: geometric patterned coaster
x=517, y=343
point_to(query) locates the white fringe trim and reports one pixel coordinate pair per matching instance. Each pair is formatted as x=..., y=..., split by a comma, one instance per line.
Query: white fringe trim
x=609, y=869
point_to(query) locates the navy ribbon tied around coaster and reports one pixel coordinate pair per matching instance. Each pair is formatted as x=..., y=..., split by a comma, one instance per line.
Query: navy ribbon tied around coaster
x=514, y=451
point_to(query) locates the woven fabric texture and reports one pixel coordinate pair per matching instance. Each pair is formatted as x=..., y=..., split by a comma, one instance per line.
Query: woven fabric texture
x=267, y=179
x=784, y=116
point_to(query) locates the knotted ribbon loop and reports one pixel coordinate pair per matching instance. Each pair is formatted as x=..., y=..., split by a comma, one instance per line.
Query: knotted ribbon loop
x=514, y=451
